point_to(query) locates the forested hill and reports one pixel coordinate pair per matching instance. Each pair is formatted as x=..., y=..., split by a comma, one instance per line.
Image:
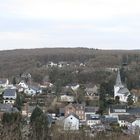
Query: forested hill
x=14, y=62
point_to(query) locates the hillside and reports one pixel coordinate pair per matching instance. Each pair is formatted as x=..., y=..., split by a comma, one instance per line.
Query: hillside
x=16, y=62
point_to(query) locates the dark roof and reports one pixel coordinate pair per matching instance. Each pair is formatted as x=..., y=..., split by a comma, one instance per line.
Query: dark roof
x=35, y=88
x=92, y=117
x=109, y=120
x=117, y=107
x=123, y=90
x=134, y=111
x=128, y=118
x=118, y=79
x=7, y=108
x=9, y=92
x=91, y=109
x=79, y=106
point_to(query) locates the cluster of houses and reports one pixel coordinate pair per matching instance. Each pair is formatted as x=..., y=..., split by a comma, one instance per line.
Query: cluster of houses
x=74, y=115
x=63, y=64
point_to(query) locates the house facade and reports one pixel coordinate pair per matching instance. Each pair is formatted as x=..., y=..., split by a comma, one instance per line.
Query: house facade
x=92, y=93
x=32, y=91
x=78, y=109
x=71, y=122
x=93, y=119
x=9, y=96
x=66, y=98
x=4, y=83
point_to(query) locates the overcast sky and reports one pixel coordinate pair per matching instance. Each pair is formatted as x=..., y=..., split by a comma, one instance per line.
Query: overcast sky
x=103, y=24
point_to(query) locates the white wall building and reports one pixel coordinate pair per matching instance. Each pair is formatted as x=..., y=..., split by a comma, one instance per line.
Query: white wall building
x=9, y=96
x=4, y=83
x=120, y=90
x=71, y=122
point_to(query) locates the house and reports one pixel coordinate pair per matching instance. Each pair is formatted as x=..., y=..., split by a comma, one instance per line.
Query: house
x=23, y=85
x=120, y=90
x=7, y=108
x=93, y=119
x=90, y=110
x=126, y=120
x=4, y=83
x=107, y=119
x=32, y=90
x=70, y=108
x=134, y=111
x=62, y=64
x=109, y=69
x=71, y=122
x=73, y=86
x=78, y=109
x=9, y=96
x=92, y=92
x=66, y=98
x=46, y=85
x=28, y=109
x=116, y=110
x=52, y=64
x=136, y=122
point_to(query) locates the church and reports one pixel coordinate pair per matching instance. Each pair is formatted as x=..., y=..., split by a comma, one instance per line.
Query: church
x=120, y=90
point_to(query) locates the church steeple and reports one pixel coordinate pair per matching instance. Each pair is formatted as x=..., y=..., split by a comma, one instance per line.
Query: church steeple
x=118, y=80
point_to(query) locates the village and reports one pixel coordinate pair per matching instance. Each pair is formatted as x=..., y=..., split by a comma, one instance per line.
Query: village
x=77, y=106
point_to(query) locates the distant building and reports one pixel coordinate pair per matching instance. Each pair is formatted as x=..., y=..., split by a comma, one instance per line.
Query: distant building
x=93, y=119
x=4, y=82
x=92, y=92
x=7, y=108
x=126, y=120
x=23, y=84
x=73, y=86
x=71, y=122
x=90, y=110
x=67, y=98
x=9, y=96
x=116, y=110
x=32, y=90
x=120, y=90
x=78, y=109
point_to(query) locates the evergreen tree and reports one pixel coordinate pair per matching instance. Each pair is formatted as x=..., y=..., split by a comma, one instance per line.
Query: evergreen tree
x=37, y=112
x=39, y=123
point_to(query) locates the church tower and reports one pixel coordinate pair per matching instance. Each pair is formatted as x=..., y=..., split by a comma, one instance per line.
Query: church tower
x=118, y=79
x=118, y=84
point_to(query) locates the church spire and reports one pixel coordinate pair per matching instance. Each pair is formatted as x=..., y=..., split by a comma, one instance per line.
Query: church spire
x=118, y=80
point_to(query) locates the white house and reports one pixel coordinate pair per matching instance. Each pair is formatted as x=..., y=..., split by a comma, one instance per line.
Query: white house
x=71, y=122
x=32, y=90
x=66, y=98
x=9, y=96
x=4, y=83
x=22, y=84
x=74, y=87
x=136, y=122
x=93, y=119
x=120, y=90
x=126, y=120
x=51, y=64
